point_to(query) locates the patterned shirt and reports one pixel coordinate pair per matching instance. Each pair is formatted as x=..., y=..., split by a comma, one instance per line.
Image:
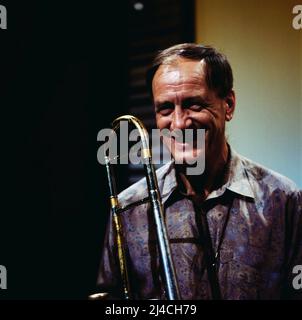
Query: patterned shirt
x=255, y=226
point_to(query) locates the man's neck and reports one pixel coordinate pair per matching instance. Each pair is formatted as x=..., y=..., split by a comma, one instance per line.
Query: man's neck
x=212, y=178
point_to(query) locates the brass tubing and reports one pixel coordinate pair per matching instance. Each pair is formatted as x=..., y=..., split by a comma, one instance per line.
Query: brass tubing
x=170, y=281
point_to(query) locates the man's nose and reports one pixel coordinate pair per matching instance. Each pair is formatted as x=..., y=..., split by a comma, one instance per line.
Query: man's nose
x=180, y=119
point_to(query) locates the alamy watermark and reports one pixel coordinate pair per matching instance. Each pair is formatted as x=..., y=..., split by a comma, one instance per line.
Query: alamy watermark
x=185, y=146
x=297, y=20
x=297, y=280
x=3, y=17
x=3, y=277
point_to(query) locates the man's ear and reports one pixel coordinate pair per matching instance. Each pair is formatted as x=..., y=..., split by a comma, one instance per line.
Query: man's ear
x=230, y=101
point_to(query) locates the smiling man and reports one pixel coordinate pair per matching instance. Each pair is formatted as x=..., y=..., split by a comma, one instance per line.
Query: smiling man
x=185, y=98
x=235, y=229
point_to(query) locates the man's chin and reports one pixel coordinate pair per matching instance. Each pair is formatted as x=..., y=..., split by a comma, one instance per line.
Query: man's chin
x=189, y=159
x=193, y=165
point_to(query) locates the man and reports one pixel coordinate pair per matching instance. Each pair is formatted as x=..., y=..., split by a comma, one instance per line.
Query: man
x=235, y=230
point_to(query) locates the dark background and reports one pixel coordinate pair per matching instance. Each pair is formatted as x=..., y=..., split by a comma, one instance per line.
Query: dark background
x=64, y=70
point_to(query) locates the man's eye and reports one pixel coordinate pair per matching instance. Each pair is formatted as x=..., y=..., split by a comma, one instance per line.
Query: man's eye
x=165, y=110
x=195, y=107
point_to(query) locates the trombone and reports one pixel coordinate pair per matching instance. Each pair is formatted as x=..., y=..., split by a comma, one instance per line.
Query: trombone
x=170, y=282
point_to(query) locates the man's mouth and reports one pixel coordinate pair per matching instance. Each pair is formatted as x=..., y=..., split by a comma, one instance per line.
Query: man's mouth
x=183, y=141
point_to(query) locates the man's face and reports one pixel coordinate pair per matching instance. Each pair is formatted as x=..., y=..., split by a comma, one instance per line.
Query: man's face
x=183, y=100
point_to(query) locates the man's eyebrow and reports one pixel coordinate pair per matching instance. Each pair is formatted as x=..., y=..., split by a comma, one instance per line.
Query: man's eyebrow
x=196, y=99
x=162, y=104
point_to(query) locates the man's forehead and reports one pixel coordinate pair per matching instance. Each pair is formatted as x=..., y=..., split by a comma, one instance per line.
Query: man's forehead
x=180, y=69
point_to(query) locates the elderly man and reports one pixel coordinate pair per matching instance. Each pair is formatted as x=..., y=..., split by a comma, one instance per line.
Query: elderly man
x=235, y=230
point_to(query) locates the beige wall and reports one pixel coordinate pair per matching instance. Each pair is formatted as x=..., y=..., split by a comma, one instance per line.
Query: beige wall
x=266, y=56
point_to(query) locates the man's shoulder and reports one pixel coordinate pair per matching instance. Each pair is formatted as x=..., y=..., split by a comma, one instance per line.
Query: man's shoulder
x=139, y=190
x=267, y=178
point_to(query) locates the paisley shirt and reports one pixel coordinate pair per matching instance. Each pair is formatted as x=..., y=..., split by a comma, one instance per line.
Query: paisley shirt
x=260, y=246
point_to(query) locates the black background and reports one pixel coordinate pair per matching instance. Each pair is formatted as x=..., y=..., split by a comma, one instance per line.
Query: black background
x=62, y=73
x=66, y=71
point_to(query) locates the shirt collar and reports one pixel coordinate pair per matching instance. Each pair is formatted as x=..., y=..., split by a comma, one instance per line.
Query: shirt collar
x=167, y=180
x=139, y=192
x=237, y=181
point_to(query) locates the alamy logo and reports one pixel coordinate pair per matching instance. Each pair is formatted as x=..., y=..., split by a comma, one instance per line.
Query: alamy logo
x=185, y=146
x=297, y=281
x=297, y=21
x=3, y=17
x=3, y=277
